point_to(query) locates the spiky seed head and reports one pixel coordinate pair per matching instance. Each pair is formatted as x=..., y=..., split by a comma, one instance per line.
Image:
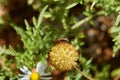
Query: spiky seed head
x=63, y=56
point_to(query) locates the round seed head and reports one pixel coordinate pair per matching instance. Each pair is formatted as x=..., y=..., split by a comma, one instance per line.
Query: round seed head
x=63, y=56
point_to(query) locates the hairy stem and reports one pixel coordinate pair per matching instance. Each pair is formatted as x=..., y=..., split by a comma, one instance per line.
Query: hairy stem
x=86, y=76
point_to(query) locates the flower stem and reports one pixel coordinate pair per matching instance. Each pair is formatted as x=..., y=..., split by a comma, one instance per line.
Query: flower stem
x=83, y=73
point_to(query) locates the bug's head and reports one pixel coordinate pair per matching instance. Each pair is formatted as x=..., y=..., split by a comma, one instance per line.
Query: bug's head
x=61, y=40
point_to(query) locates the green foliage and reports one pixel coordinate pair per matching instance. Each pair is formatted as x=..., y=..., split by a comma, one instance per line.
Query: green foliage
x=55, y=22
x=115, y=30
x=6, y=64
x=103, y=73
x=115, y=72
x=37, y=41
x=2, y=23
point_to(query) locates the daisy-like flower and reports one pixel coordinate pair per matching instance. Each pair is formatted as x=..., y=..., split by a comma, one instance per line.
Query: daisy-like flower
x=37, y=74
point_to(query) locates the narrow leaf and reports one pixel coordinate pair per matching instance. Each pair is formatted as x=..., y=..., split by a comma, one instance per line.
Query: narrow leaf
x=71, y=5
x=34, y=21
x=27, y=25
x=41, y=16
x=117, y=21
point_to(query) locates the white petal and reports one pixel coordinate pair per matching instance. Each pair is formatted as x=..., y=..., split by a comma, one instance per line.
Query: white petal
x=40, y=67
x=45, y=78
x=22, y=75
x=22, y=79
x=26, y=77
x=25, y=70
x=45, y=74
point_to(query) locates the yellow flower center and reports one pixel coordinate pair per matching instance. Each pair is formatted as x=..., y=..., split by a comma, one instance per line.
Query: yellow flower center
x=34, y=76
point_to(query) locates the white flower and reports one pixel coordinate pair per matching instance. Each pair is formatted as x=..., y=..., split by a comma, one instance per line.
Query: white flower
x=38, y=74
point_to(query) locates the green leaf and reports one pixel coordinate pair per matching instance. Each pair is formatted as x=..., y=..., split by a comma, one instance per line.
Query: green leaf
x=47, y=15
x=56, y=0
x=114, y=29
x=93, y=4
x=78, y=76
x=115, y=72
x=13, y=51
x=118, y=9
x=41, y=16
x=30, y=2
x=71, y=5
x=117, y=20
x=79, y=23
x=47, y=36
x=87, y=63
x=27, y=25
x=34, y=21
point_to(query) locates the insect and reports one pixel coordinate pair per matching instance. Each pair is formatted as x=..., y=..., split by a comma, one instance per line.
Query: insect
x=61, y=40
